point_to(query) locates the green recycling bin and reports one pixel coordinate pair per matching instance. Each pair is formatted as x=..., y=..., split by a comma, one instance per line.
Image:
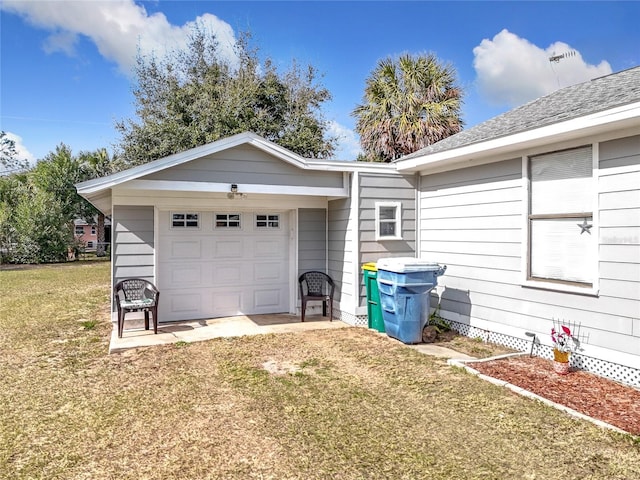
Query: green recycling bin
x=374, y=311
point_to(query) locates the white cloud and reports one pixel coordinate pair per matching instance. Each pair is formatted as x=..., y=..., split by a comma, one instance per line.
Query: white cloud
x=21, y=150
x=348, y=147
x=511, y=70
x=117, y=28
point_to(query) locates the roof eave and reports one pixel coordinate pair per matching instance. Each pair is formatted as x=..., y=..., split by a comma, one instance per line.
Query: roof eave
x=601, y=122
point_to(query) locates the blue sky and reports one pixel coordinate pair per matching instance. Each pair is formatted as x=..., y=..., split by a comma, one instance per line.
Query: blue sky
x=66, y=65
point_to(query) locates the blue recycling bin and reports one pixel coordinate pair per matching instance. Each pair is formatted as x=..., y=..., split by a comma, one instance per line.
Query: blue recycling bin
x=404, y=284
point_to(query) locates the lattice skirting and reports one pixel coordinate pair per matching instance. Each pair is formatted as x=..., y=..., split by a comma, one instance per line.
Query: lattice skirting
x=351, y=319
x=614, y=371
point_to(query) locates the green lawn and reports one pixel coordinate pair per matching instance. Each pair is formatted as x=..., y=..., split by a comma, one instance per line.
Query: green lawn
x=344, y=403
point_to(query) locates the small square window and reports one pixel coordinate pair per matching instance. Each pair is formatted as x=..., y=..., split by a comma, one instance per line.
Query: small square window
x=388, y=215
x=89, y=244
x=185, y=220
x=227, y=220
x=268, y=221
x=79, y=230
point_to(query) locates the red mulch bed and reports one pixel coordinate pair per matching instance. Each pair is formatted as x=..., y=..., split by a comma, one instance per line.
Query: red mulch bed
x=595, y=396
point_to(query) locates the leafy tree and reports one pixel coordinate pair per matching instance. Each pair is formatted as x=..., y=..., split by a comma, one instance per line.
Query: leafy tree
x=192, y=97
x=41, y=228
x=12, y=189
x=8, y=155
x=37, y=208
x=408, y=104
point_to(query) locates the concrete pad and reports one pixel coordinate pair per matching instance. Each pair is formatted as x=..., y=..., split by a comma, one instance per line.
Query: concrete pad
x=135, y=336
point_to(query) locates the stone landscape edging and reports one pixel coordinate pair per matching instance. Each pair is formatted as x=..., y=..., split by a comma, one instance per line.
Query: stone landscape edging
x=462, y=363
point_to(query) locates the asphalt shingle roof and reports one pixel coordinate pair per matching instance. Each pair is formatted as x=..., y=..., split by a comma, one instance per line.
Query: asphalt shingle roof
x=565, y=104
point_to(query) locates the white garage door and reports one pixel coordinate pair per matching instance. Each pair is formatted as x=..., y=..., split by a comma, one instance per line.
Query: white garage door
x=215, y=264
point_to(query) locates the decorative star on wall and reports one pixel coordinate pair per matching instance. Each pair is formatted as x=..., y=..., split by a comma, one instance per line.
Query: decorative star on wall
x=585, y=227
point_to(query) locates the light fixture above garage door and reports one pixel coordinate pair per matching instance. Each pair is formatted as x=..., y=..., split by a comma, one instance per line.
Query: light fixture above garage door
x=234, y=193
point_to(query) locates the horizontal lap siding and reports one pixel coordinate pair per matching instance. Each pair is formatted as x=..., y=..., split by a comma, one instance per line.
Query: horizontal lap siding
x=619, y=236
x=312, y=240
x=250, y=165
x=341, y=249
x=376, y=188
x=133, y=243
x=472, y=220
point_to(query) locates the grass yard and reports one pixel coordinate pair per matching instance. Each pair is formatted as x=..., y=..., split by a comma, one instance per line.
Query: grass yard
x=345, y=403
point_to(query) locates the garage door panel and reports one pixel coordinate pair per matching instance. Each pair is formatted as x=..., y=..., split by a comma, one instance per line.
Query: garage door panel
x=269, y=272
x=267, y=299
x=227, y=274
x=184, y=275
x=185, y=303
x=228, y=302
x=228, y=248
x=186, y=249
x=269, y=248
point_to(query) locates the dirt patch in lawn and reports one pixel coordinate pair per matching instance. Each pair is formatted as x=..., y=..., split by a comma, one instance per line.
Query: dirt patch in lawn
x=590, y=394
x=474, y=347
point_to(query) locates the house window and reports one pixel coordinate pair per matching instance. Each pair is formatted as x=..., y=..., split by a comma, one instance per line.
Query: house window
x=185, y=220
x=79, y=230
x=93, y=229
x=89, y=244
x=268, y=221
x=227, y=220
x=562, y=247
x=388, y=221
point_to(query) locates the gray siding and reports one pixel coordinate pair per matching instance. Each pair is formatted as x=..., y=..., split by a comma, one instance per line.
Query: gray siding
x=247, y=164
x=380, y=188
x=133, y=242
x=341, y=248
x=619, y=204
x=472, y=220
x=312, y=239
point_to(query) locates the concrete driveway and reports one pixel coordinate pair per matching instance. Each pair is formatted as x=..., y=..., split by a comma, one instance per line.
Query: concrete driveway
x=135, y=336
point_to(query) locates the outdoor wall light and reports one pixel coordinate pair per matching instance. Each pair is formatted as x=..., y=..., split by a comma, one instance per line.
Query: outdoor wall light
x=234, y=193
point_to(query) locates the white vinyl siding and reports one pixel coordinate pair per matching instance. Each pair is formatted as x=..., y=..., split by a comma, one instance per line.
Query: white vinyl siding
x=561, y=244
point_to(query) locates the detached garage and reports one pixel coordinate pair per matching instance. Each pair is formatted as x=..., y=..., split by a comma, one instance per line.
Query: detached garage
x=226, y=229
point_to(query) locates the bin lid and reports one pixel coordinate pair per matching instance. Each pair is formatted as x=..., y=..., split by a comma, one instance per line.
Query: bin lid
x=371, y=266
x=407, y=264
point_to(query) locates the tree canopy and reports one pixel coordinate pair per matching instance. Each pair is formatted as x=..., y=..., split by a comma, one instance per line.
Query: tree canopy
x=408, y=104
x=9, y=161
x=38, y=207
x=193, y=96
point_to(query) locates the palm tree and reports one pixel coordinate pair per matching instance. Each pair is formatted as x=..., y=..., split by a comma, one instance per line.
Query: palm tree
x=408, y=104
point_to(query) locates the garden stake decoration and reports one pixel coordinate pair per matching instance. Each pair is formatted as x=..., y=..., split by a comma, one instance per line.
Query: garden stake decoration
x=564, y=342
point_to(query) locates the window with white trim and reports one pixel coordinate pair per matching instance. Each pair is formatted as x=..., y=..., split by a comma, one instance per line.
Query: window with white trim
x=388, y=215
x=227, y=220
x=93, y=229
x=561, y=244
x=185, y=220
x=79, y=230
x=268, y=221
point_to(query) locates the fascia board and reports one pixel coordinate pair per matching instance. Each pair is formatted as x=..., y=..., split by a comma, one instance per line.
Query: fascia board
x=612, y=119
x=209, y=187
